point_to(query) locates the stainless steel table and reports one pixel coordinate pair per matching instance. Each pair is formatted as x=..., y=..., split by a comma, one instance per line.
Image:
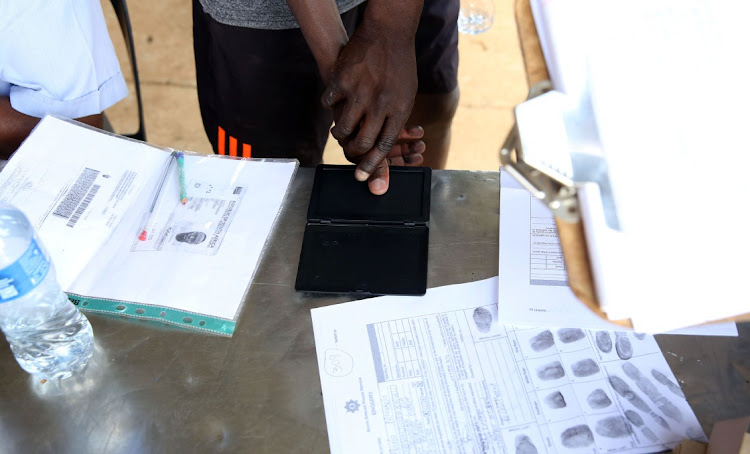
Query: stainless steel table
x=152, y=388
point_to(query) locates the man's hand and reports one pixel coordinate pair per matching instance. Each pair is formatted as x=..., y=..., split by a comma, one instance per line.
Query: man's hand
x=407, y=152
x=372, y=88
x=371, y=80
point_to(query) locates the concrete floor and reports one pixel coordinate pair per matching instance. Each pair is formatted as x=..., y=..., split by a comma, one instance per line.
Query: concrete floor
x=491, y=79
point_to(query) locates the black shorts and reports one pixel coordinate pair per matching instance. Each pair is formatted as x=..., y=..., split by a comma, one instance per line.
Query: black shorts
x=259, y=90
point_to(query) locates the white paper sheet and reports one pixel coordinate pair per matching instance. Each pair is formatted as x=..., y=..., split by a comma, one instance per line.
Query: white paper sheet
x=76, y=197
x=533, y=286
x=439, y=373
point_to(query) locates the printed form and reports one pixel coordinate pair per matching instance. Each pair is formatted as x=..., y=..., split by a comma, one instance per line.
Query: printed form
x=440, y=374
x=533, y=282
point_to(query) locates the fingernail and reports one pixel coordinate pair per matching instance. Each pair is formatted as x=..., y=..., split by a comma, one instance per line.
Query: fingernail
x=378, y=186
x=361, y=175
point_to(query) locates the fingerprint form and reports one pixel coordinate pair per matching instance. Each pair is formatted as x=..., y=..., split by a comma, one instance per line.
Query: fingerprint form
x=568, y=335
x=661, y=378
x=623, y=346
x=604, y=341
x=551, y=371
x=598, y=399
x=623, y=389
x=542, y=341
x=577, y=437
x=483, y=319
x=524, y=445
x=613, y=427
x=585, y=367
x=650, y=390
x=556, y=400
x=639, y=336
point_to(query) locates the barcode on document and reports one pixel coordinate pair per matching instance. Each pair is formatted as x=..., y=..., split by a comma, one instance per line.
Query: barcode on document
x=82, y=207
x=77, y=193
x=237, y=190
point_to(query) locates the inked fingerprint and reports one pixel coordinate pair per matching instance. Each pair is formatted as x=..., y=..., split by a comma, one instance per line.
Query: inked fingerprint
x=483, y=319
x=556, y=400
x=634, y=418
x=585, y=367
x=623, y=346
x=542, y=341
x=551, y=371
x=637, y=421
x=524, y=445
x=577, y=437
x=613, y=427
x=598, y=399
x=623, y=389
x=652, y=392
x=661, y=378
x=568, y=335
x=604, y=341
x=639, y=336
x=649, y=434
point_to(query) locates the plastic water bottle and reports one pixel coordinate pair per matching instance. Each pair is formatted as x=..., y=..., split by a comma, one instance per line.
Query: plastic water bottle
x=476, y=16
x=47, y=334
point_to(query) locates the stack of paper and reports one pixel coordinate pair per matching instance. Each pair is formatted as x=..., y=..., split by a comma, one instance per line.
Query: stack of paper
x=662, y=82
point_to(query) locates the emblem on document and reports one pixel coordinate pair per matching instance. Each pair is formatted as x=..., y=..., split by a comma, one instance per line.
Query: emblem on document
x=352, y=406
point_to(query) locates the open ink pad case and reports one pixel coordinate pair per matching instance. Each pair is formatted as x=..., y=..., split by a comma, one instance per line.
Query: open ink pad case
x=357, y=242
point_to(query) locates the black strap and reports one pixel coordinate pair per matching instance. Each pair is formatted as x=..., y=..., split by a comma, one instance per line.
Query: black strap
x=121, y=10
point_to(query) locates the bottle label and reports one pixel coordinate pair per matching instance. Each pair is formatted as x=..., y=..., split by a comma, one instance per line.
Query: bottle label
x=24, y=274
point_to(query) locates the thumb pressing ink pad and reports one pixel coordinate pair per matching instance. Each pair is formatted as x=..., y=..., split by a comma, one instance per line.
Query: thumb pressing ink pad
x=357, y=242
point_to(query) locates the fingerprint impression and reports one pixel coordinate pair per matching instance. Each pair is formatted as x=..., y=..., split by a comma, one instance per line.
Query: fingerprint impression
x=542, y=341
x=577, y=437
x=652, y=392
x=568, y=335
x=624, y=390
x=524, y=445
x=551, y=371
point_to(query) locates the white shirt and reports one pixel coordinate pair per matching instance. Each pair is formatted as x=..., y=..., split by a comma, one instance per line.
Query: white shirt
x=56, y=57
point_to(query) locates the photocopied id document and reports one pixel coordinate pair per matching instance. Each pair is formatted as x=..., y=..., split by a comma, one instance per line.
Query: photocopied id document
x=130, y=234
x=440, y=373
x=532, y=279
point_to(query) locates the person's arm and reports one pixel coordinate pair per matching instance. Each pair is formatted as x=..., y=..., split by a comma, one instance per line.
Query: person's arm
x=374, y=87
x=320, y=23
x=15, y=126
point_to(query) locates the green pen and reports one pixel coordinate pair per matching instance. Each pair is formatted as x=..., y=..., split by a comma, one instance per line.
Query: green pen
x=181, y=169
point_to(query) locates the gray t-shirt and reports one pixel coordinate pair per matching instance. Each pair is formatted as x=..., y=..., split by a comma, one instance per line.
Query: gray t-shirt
x=260, y=14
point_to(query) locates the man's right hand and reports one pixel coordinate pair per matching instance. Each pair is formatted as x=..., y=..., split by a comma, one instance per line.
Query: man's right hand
x=373, y=85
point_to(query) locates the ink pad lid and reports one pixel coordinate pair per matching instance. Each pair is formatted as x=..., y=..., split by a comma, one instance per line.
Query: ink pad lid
x=339, y=198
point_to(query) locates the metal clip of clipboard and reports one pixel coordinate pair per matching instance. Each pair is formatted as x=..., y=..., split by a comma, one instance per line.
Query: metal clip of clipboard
x=559, y=196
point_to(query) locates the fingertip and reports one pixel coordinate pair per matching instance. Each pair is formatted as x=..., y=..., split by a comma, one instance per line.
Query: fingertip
x=378, y=186
x=415, y=160
x=361, y=175
x=418, y=147
x=416, y=131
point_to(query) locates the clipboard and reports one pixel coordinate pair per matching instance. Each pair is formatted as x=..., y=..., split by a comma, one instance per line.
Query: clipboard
x=554, y=189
